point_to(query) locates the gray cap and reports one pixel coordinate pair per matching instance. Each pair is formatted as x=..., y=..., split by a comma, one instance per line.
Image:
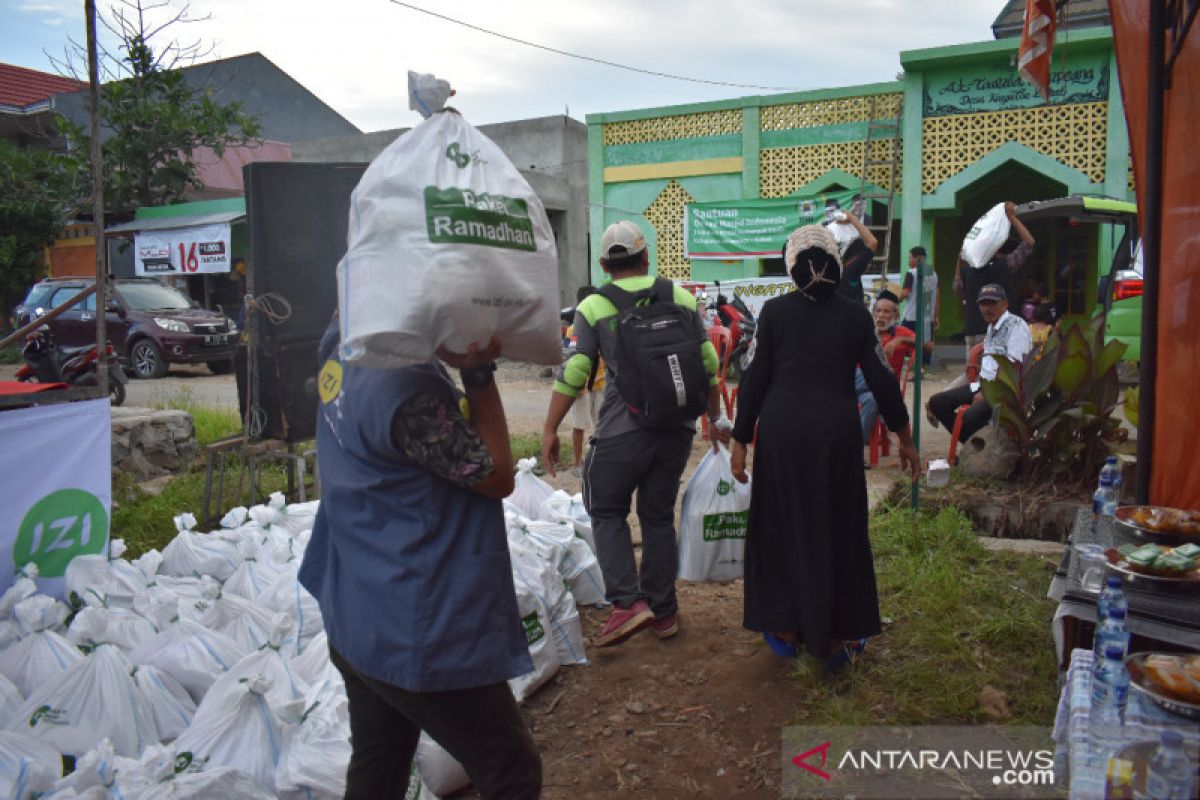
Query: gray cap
x=991, y=293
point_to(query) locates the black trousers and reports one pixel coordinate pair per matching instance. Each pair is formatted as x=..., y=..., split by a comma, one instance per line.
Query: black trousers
x=944, y=406
x=481, y=727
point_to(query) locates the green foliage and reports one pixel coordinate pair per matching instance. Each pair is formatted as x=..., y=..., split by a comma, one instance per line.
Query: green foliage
x=962, y=618
x=39, y=192
x=1058, y=409
x=212, y=422
x=155, y=120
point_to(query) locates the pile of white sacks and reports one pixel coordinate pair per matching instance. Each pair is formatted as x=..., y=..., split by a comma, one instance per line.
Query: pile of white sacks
x=203, y=670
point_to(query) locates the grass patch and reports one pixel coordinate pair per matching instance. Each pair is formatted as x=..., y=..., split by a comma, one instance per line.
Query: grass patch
x=963, y=618
x=11, y=355
x=529, y=445
x=212, y=422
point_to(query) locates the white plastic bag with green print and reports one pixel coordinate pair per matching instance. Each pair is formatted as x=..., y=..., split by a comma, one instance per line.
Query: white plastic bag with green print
x=447, y=245
x=712, y=527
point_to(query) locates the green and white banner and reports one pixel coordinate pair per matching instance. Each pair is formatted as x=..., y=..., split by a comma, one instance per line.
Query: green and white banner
x=57, y=469
x=732, y=229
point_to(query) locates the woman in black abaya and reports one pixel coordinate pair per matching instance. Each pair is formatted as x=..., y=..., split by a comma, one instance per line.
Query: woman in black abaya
x=810, y=578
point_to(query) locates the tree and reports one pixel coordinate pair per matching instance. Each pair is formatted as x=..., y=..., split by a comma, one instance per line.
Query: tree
x=39, y=192
x=153, y=119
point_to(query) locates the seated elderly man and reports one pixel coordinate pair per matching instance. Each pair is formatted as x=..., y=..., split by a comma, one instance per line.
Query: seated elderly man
x=1007, y=337
x=897, y=341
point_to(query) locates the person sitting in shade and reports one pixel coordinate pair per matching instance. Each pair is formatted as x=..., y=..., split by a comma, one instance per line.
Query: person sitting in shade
x=898, y=343
x=1007, y=337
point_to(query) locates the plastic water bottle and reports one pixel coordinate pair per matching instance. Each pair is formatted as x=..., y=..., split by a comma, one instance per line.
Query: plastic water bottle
x=1112, y=595
x=1170, y=776
x=1111, y=631
x=1104, y=501
x=1111, y=469
x=1110, y=689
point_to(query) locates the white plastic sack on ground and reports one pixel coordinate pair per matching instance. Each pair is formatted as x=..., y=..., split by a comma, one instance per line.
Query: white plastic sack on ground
x=712, y=522
x=193, y=603
x=316, y=754
x=239, y=729
x=536, y=623
x=575, y=561
x=133, y=578
x=562, y=507
x=11, y=699
x=286, y=685
x=286, y=594
x=235, y=517
x=170, y=703
x=28, y=767
x=313, y=664
x=439, y=770
x=529, y=491
x=41, y=654
x=244, y=621
x=223, y=782
x=986, y=236
x=97, y=774
x=479, y=253
x=194, y=554
x=253, y=575
x=542, y=580
x=125, y=627
x=186, y=650
x=23, y=588
x=95, y=698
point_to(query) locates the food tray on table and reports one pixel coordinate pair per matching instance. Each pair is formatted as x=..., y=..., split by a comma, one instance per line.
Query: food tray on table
x=1159, y=523
x=1151, y=562
x=1138, y=756
x=1172, y=682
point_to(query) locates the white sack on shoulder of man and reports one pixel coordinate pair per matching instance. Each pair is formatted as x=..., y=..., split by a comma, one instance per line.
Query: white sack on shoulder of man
x=447, y=245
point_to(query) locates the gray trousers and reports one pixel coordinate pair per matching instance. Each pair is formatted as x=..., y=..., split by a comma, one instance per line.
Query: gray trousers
x=650, y=461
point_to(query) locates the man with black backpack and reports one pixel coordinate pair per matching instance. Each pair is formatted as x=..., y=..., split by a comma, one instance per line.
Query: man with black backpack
x=662, y=374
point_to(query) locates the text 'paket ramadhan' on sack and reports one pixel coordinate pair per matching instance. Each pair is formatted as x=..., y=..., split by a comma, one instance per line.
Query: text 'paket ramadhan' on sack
x=459, y=216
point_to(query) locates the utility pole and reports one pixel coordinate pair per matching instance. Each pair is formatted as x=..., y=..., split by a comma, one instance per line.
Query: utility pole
x=89, y=7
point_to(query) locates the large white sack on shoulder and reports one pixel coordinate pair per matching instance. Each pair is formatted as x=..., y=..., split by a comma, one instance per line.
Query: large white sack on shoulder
x=529, y=491
x=712, y=522
x=315, y=754
x=986, y=237
x=170, y=703
x=239, y=729
x=28, y=767
x=95, y=698
x=440, y=772
x=11, y=699
x=42, y=653
x=479, y=258
x=191, y=554
x=844, y=233
x=535, y=620
x=186, y=650
x=286, y=684
x=288, y=595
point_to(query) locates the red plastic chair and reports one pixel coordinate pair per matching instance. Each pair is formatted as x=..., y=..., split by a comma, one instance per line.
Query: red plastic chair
x=722, y=339
x=880, y=442
x=974, y=359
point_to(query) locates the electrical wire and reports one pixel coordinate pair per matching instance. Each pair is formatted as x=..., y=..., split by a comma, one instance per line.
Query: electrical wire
x=593, y=59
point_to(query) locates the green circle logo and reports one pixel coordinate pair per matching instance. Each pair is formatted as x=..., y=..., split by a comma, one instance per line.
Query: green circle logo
x=60, y=526
x=724, y=488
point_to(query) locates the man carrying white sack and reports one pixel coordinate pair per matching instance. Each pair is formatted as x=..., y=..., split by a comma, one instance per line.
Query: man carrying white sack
x=409, y=562
x=638, y=445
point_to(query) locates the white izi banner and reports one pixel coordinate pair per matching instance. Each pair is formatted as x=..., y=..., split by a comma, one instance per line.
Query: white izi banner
x=183, y=251
x=754, y=292
x=57, y=488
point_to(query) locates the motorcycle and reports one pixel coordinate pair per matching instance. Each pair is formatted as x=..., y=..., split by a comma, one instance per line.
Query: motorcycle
x=45, y=362
x=737, y=316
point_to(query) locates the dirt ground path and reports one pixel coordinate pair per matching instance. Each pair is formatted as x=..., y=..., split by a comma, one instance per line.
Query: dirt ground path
x=699, y=715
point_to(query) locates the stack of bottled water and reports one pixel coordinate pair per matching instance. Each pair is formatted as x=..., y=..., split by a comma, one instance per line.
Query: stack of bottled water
x=1111, y=611
x=1110, y=690
x=1171, y=776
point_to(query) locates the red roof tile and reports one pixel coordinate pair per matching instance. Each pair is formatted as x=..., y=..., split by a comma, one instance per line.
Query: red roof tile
x=22, y=87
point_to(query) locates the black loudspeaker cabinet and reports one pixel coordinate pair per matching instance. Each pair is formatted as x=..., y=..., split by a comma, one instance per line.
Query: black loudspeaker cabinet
x=297, y=213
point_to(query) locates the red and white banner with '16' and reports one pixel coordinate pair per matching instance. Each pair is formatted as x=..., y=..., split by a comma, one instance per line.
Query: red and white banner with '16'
x=183, y=251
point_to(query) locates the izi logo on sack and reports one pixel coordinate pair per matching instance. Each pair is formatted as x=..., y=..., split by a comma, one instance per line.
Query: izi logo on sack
x=460, y=216
x=462, y=160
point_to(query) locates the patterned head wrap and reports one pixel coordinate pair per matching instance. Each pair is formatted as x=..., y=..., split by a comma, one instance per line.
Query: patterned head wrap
x=812, y=259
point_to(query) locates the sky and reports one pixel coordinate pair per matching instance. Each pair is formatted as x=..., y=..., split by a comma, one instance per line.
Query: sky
x=355, y=54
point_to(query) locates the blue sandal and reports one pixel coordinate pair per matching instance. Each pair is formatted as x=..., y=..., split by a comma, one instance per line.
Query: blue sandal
x=848, y=655
x=781, y=648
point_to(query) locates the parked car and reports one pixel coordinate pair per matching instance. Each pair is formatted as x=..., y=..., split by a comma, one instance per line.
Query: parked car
x=150, y=325
x=1119, y=294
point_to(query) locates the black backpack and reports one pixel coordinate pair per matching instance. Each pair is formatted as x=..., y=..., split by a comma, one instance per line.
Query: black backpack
x=661, y=375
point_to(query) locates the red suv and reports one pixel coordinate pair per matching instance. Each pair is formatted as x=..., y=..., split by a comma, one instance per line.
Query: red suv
x=150, y=325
